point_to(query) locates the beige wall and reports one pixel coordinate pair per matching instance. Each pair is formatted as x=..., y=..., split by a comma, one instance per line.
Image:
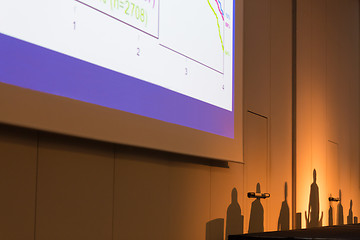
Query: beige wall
x=328, y=103
x=267, y=95
x=59, y=187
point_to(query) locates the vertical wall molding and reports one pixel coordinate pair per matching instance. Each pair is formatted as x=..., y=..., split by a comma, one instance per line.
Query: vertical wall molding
x=36, y=179
x=294, y=45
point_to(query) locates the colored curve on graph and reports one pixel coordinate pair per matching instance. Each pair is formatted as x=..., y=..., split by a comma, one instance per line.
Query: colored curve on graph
x=217, y=19
x=220, y=9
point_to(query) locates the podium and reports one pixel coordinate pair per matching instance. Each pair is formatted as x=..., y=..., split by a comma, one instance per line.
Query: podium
x=351, y=231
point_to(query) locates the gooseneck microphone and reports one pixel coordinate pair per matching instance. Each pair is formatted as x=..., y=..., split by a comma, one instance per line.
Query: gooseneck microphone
x=258, y=195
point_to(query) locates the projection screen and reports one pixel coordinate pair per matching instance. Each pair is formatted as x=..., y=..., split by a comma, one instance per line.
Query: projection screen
x=158, y=74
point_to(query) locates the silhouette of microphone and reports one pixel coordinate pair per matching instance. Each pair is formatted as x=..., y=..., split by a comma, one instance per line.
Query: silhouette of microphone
x=258, y=195
x=332, y=199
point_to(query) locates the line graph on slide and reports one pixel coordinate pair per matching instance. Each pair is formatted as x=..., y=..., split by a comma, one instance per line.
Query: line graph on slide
x=221, y=11
x=201, y=34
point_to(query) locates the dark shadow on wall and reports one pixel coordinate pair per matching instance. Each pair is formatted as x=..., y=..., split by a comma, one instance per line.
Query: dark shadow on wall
x=215, y=229
x=298, y=220
x=340, y=211
x=256, y=222
x=331, y=214
x=164, y=155
x=350, y=216
x=312, y=218
x=284, y=217
x=234, y=219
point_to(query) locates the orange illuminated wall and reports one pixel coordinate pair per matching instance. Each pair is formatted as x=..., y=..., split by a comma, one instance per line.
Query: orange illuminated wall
x=328, y=103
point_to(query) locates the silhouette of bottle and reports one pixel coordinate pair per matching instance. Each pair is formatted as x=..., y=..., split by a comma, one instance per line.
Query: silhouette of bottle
x=284, y=217
x=331, y=219
x=340, y=216
x=234, y=219
x=331, y=214
x=350, y=216
x=256, y=222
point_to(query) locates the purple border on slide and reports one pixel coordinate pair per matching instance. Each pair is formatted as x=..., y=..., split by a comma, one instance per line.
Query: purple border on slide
x=30, y=66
